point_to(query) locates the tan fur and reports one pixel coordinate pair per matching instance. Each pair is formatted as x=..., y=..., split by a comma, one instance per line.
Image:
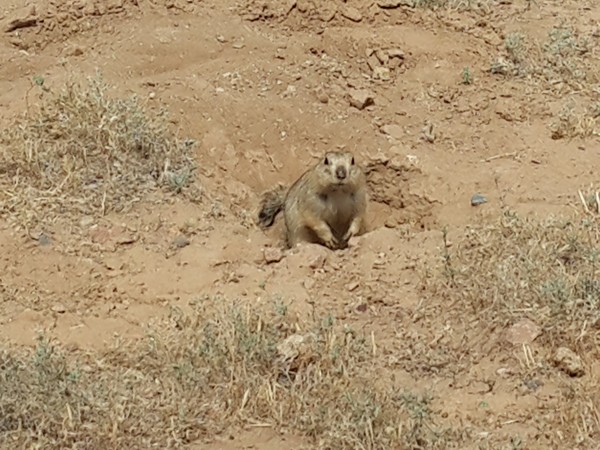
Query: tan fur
x=327, y=205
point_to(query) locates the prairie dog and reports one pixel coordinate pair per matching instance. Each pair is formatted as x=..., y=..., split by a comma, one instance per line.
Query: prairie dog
x=327, y=205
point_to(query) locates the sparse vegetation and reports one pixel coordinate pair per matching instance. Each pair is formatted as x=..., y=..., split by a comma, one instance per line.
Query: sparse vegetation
x=547, y=272
x=459, y=5
x=570, y=125
x=548, y=268
x=82, y=152
x=466, y=76
x=201, y=374
x=514, y=43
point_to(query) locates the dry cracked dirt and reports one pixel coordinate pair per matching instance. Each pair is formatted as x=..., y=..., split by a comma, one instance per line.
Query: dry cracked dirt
x=438, y=100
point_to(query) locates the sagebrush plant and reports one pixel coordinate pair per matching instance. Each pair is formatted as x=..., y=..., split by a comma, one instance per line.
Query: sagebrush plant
x=81, y=151
x=515, y=46
x=569, y=124
x=198, y=375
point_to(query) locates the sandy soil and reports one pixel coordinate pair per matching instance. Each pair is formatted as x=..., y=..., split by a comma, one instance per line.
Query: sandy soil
x=264, y=88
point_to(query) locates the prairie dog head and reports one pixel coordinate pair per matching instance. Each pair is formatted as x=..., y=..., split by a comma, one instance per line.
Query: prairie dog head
x=339, y=167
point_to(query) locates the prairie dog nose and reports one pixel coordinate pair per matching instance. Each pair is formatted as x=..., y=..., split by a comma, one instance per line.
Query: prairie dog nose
x=340, y=172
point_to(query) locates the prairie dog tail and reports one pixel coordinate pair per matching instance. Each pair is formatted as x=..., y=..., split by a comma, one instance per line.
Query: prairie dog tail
x=271, y=204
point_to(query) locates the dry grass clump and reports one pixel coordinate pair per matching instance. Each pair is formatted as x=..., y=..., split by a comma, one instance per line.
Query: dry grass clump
x=571, y=124
x=82, y=152
x=548, y=272
x=563, y=65
x=482, y=6
x=565, y=59
x=563, y=62
x=201, y=374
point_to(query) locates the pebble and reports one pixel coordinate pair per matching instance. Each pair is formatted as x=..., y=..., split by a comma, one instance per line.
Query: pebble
x=22, y=18
x=523, y=332
x=322, y=96
x=75, y=51
x=569, y=362
x=86, y=221
x=396, y=53
x=533, y=385
x=361, y=99
x=428, y=132
x=478, y=199
x=393, y=130
x=389, y=3
x=382, y=57
x=44, y=240
x=382, y=73
x=352, y=13
x=60, y=309
x=180, y=241
x=273, y=254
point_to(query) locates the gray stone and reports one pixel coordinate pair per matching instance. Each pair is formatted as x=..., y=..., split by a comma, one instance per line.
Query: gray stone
x=478, y=199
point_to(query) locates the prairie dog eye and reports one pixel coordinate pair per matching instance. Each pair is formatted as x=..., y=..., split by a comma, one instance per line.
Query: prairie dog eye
x=352, y=161
x=326, y=161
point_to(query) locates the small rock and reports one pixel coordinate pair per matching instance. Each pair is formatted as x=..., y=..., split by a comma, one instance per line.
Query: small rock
x=395, y=131
x=569, y=362
x=428, y=133
x=308, y=284
x=396, y=53
x=373, y=62
x=44, y=240
x=353, y=286
x=75, y=51
x=352, y=13
x=382, y=73
x=294, y=346
x=533, y=385
x=302, y=6
x=307, y=256
x=322, y=96
x=25, y=17
x=327, y=15
x=523, y=332
x=362, y=307
x=221, y=38
x=86, y=221
x=361, y=99
x=317, y=261
x=180, y=241
x=354, y=241
x=60, y=309
x=125, y=239
x=505, y=372
x=478, y=199
x=382, y=57
x=389, y=3
x=273, y=254
x=238, y=45
x=113, y=264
